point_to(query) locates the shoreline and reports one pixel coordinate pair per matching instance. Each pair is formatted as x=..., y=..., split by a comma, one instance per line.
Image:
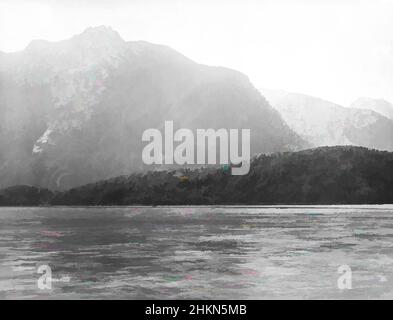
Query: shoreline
x=321, y=206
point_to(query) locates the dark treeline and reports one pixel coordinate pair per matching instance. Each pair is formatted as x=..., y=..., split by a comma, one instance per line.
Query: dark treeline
x=328, y=175
x=25, y=196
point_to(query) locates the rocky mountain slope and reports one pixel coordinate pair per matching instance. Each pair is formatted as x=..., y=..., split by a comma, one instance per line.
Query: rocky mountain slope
x=74, y=111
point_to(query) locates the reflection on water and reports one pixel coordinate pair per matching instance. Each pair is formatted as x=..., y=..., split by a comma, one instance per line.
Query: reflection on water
x=197, y=252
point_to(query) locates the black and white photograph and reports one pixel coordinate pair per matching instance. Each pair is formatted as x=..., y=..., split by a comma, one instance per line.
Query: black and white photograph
x=191, y=150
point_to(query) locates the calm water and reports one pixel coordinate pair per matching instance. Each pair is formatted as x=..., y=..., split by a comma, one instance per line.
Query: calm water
x=197, y=252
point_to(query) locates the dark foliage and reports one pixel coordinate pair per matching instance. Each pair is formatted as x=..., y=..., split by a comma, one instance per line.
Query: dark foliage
x=25, y=196
x=328, y=175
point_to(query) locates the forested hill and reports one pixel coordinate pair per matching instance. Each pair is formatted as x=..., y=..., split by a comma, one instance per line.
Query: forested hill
x=327, y=175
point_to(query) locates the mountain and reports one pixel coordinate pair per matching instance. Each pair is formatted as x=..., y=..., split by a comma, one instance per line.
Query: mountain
x=74, y=111
x=324, y=123
x=378, y=105
x=327, y=175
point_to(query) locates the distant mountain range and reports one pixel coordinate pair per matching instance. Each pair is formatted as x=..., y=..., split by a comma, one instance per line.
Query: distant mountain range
x=378, y=105
x=324, y=123
x=328, y=175
x=73, y=111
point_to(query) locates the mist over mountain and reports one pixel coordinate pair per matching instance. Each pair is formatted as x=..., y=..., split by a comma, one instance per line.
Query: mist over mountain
x=378, y=105
x=74, y=111
x=324, y=123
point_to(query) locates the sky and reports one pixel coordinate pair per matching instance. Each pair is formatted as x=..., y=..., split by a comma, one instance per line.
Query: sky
x=334, y=49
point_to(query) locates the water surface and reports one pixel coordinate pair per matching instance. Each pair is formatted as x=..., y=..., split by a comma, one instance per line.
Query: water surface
x=197, y=252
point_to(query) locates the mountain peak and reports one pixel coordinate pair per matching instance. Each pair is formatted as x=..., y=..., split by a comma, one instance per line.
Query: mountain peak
x=99, y=32
x=92, y=37
x=98, y=36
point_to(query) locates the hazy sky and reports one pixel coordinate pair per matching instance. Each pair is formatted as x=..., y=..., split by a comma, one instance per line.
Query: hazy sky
x=334, y=49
